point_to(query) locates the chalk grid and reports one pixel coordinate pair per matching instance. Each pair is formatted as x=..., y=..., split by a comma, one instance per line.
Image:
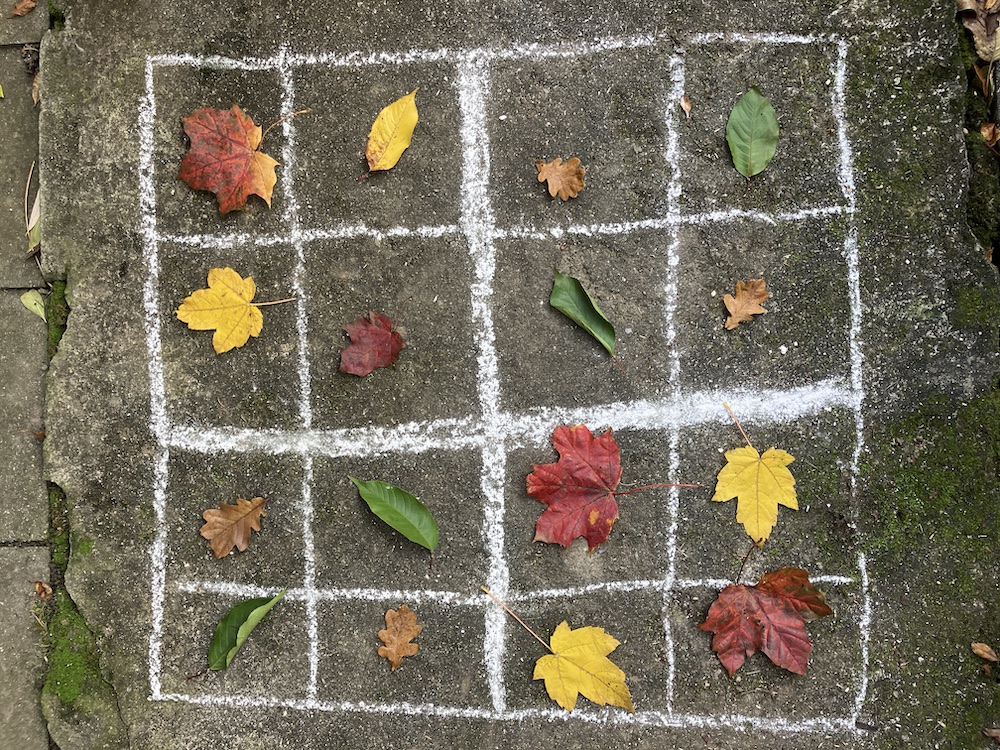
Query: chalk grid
x=491, y=430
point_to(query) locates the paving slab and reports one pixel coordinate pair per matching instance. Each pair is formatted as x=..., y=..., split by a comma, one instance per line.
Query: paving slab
x=22, y=664
x=26, y=29
x=870, y=367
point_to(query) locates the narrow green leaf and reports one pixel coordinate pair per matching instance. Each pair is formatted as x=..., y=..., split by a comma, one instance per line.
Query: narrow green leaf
x=32, y=299
x=752, y=133
x=34, y=230
x=401, y=510
x=571, y=299
x=234, y=628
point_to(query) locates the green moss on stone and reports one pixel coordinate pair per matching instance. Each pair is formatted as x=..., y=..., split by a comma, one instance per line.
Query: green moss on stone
x=57, y=312
x=73, y=656
x=58, y=528
x=977, y=307
x=83, y=546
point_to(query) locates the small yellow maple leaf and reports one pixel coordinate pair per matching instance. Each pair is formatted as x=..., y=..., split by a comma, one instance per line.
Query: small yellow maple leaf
x=391, y=133
x=224, y=307
x=760, y=484
x=579, y=665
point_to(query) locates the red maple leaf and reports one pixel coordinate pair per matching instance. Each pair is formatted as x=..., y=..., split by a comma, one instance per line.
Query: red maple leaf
x=770, y=617
x=373, y=344
x=579, y=488
x=224, y=157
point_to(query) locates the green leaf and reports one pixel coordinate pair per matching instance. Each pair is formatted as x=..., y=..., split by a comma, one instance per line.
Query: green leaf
x=401, y=510
x=34, y=229
x=234, y=628
x=571, y=299
x=752, y=133
x=32, y=299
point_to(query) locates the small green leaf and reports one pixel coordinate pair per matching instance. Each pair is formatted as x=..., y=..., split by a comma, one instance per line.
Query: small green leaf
x=752, y=133
x=32, y=299
x=401, y=510
x=571, y=299
x=234, y=628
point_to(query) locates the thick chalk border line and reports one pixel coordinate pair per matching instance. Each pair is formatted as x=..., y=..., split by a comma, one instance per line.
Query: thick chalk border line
x=492, y=431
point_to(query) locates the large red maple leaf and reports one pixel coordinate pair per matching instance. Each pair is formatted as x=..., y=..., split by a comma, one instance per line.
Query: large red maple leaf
x=373, y=344
x=770, y=617
x=579, y=488
x=224, y=157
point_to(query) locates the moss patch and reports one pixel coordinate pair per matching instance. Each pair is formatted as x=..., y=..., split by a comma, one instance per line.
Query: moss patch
x=73, y=655
x=58, y=530
x=57, y=312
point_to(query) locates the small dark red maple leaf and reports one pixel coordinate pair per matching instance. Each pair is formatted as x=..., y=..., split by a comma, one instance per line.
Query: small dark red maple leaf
x=224, y=157
x=579, y=488
x=770, y=617
x=373, y=344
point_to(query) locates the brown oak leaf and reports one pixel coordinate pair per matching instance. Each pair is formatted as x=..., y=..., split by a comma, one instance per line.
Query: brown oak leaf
x=746, y=303
x=400, y=628
x=229, y=526
x=224, y=157
x=23, y=8
x=374, y=344
x=565, y=178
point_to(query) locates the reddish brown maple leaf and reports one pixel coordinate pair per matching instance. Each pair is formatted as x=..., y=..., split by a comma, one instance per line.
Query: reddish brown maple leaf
x=224, y=157
x=373, y=344
x=579, y=488
x=770, y=617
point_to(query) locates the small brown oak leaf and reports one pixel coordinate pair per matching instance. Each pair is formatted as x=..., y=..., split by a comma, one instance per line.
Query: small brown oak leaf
x=746, y=303
x=23, y=8
x=565, y=178
x=983, y=651
x=229, y=526
x=400, y=628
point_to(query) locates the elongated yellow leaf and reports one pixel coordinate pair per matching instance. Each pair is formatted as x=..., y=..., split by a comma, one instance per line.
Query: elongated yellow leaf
x=391, y=133
x=579, y=665
x=224, y=307
x=759, y=484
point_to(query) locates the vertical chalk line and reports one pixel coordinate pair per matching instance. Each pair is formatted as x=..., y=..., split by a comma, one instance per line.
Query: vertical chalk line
x=158, y=420
x=673, y=211
x=285, y=77
x=478, y=225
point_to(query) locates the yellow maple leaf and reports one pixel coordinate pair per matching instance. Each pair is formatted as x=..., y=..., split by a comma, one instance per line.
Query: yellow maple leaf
x=579, y=665
x=759, y=484
x=391, y=133
x=224, y=307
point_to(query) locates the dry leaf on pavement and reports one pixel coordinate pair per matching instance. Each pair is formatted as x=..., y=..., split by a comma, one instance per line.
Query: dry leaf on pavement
x=564, y=178
x=23, y=8
x=400, y=628
x=579, y=665
x=747, y=302
x=983, y=651
x=980, y=17
x=229, y=526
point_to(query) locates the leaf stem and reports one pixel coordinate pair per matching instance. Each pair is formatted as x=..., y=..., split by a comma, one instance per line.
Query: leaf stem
x=27, y=185
x=275, y=302
x=510, y=612
x=305, y=111
x=733, y=415
x=652, y=486
x=753, y=546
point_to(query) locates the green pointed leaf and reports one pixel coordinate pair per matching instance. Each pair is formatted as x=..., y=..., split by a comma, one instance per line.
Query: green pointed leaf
x=401, y=510
x=234, y=628
x=32, y=299
x=752, y=133
x=571, y=299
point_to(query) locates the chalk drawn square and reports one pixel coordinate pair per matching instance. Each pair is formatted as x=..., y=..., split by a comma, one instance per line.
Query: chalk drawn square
x=817, y=537
x=805, y=172
x=633, y=618
x=200, y=481
x=208, y=389
x=446, y=671
x=804, y=335
x=638, y=543
x=345, y=530
x=405, y=278
x=182, y=89
x=272, y=663
x=760, y=689
x=423, y=189
x=625, y=276
x=605, y=108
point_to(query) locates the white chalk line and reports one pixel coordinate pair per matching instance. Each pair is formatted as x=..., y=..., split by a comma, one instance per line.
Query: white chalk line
x=729, y=722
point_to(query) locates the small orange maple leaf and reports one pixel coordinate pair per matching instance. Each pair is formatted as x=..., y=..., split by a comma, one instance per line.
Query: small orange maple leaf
x=565, y=178
x=400, y=628
x=229, y=526
x=746, y=303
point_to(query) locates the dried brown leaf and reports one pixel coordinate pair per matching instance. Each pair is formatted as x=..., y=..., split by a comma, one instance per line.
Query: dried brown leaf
x=42, y=590
x=23, y=8
x=990, y=134
x=993, y=734
x=981, y=19
x=229, y=526
x=747, y=302
x=565, y=178
x=983, y=651
x=36, y=94
x=686, y=105
x=400, y=628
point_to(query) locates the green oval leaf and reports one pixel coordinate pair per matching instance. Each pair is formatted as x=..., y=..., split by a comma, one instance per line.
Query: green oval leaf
x=752, y=133
x=234, y=628
x=571, y=299
x=401, y=510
